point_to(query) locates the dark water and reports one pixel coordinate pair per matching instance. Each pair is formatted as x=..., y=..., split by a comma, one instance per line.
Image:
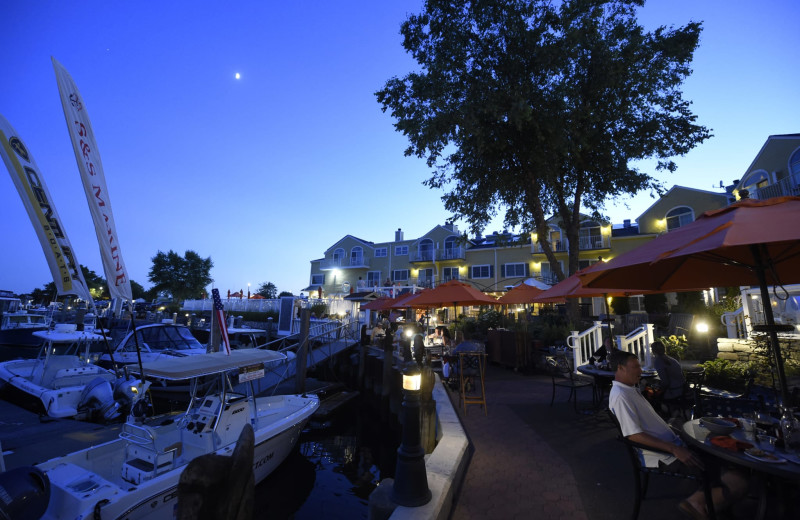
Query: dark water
x=334, y=467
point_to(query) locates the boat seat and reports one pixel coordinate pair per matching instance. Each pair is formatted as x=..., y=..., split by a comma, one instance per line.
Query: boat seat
x=144, y=458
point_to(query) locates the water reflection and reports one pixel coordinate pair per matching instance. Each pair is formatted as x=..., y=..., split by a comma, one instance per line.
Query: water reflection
x=334, y=469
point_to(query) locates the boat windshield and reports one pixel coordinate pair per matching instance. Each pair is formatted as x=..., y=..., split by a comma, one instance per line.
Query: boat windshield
x=162, y=338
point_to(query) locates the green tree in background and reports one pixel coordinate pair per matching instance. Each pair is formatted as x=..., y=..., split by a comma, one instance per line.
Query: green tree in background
x=179, y=276
x=268, y=290
x=539, y=107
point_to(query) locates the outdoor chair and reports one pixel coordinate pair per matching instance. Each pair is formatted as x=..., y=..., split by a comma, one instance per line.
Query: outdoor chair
x=563, y=377
x=471, y=374
x=641, y=473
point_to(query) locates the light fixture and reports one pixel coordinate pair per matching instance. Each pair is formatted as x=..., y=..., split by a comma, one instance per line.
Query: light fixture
x=702, y=327
x=410, y=488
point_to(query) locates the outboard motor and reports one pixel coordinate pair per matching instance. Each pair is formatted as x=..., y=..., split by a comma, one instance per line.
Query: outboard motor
x=130, y=391
x=99, y=391
x=25, y=493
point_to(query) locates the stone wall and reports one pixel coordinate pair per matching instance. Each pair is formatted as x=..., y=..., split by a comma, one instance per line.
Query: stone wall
x=742, y=349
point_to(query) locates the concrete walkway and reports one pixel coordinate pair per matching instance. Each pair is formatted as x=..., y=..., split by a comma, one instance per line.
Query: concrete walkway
x=530, y=460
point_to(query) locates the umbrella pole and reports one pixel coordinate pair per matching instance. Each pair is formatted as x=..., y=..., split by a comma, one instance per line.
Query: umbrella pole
x=770, y=319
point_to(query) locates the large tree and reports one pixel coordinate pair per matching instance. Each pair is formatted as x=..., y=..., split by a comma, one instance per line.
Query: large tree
x=181, y=277
x=268, y=290
x=540, y=107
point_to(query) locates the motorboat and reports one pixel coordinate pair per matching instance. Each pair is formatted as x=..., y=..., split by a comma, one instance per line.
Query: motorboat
x=152, y=342
x=136, y=475
x=17, y=325
x=63, y=380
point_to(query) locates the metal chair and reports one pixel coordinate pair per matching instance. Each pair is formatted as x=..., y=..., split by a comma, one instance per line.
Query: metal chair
x=641, y=473
x=563, y=377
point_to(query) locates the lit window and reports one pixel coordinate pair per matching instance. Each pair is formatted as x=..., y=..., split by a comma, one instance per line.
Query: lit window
x=679, y=217
x=482, y=271
x=400, y=275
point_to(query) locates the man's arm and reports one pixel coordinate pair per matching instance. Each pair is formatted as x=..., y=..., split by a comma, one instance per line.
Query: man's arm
x=683, y=454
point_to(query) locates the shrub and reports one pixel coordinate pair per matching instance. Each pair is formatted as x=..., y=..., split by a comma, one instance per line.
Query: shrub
x=675, y=345
x=728, y=375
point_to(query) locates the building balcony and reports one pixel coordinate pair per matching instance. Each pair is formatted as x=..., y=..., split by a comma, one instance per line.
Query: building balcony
x=354, y=262
x=451, y=253
x=421, y=256
x=784, y=187
x=586, y=243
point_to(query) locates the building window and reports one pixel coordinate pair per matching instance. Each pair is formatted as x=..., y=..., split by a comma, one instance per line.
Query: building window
x=450, y=273
x=357, y=256
x=679, y=217
x=451, y=249
x=590, y=236
x=338, y=256
x=548, y=275
x=425, y=277
x=583, y=264
x=317, y=279
x=636, y=303
x=425, y=249
x=754, y=181
x=482, y=271
x=400, y=250
x=400, y=275
x=516, y=270
x=380, y=252
x=373, y=278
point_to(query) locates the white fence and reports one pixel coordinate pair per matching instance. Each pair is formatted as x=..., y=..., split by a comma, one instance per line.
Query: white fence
x=585, y=343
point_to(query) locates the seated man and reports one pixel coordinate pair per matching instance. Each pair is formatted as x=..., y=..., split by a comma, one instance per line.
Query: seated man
x=640, y=423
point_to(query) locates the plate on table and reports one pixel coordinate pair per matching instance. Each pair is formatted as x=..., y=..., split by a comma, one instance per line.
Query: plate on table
x=763, y=456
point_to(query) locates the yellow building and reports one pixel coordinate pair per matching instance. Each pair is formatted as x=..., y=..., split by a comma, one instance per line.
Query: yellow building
x=494, y=262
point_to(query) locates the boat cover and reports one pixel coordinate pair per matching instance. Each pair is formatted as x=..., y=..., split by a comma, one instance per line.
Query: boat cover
x=206, y=364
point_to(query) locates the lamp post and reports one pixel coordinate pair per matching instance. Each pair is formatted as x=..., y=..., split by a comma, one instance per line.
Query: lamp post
x=410, y=488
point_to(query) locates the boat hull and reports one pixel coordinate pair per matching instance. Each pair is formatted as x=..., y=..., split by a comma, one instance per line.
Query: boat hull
x=78, y=493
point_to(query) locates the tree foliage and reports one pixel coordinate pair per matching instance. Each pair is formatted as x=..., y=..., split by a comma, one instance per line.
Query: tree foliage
x=540, y=107
x=179, y=276
x=268, y=290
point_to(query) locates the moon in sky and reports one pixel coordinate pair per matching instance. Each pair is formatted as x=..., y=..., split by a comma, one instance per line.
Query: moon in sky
x=238, y=76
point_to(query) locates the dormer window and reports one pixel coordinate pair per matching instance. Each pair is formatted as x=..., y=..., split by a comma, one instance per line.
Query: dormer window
x=678, y=217
x=755, y=180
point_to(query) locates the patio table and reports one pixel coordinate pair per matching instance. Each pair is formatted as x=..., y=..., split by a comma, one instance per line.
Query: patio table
x=698, y=436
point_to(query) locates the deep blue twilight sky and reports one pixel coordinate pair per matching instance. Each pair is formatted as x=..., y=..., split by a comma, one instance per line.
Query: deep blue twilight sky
x=264, y=173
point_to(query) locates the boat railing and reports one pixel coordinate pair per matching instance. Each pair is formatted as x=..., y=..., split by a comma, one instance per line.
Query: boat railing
x=138, y=434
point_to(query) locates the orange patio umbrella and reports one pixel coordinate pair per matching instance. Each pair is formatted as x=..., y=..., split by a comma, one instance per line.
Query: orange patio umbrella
x=522, y=293
x=378, y=304
x=751, y=242
x=454, y=292
x=573, y=287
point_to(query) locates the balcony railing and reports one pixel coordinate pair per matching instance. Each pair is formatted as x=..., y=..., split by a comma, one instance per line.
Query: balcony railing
x=451, y=253
x=353, y=262
x=422, y=256
x=585, y=242
x=782, y=188
x=594, y=242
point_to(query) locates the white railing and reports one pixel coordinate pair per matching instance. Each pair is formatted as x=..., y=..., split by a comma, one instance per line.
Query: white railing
x=638, y=342
x=233, y=305
x=583, y=344
x=735, y=323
